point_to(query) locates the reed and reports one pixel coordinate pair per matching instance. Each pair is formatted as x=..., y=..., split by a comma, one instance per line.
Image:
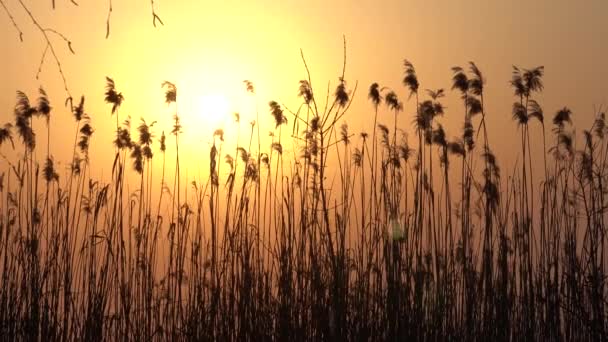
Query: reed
x=323, y=235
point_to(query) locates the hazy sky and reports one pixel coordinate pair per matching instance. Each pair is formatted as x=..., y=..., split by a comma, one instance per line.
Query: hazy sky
x=209, y=47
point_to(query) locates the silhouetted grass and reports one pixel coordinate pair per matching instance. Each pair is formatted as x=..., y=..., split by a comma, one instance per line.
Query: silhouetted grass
x=353, y=237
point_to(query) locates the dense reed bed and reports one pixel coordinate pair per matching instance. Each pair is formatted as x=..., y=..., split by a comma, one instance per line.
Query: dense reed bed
x=356, y=236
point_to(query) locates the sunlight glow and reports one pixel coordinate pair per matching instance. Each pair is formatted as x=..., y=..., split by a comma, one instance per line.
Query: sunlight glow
x=212, y=110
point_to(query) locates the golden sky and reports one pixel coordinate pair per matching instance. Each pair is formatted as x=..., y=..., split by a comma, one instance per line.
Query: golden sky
x=209, y=47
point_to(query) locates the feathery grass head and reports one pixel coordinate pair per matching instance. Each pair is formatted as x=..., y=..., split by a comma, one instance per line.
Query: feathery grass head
x=23, y=115
x=212, y=155
x=146, y=151
x=565, y=145
x=405, y=151
x=438, y=108
x=23, y=107
x=305, y=91
x=520, y=114
x=277, y=113
x=162, y=140
x=562, y=116
x=490, y=158
x=456, y=147
x=312, y=147
x=425, y=115
x=170, y=92
x=219, y=133
x=112, y=96
x=427, y=109
x=439, y=136
x=599, y=125
x=474, y=106
x=138, y=160
x=75, y=165
x=392, y=101
x=264, y=159
x=6, y=134
x=527, y=81
x=467, y=134
x=394, y=156
x=277, y=147
x=230, y=161
x=27, y=135
x=460, y=80
x=78, y=111
x=357, y=157
x=384, y=132
x=374, y=94
x=420, y=121
x=315, y=124
x=410, y=80
x=341, y=94
x=517, y=82
x=145, y=136
x=86, y=131
x=43, y=106
x=123, y=138
x=535, y=111
x=244, y=154
x=49, y=170
x=476, y=82
x=249, y=87
x=251, y=170
x=344, y=134
x=436, y=94
x=533, y=79
x=177, y=126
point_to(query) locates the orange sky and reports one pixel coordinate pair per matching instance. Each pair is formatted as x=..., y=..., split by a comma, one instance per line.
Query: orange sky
x=209, y=47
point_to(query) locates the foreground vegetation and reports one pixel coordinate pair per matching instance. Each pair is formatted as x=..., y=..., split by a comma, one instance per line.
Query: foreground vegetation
x=355, y=237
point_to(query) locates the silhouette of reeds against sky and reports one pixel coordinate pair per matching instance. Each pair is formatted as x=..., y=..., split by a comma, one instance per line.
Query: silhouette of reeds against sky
x=319, y=170
x=208, y=48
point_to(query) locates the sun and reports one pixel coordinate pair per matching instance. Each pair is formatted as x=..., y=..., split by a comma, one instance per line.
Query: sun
x=213, y=110
x=201, y=115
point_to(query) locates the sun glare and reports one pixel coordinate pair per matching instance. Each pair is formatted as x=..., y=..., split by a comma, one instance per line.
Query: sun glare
x=212, y=110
